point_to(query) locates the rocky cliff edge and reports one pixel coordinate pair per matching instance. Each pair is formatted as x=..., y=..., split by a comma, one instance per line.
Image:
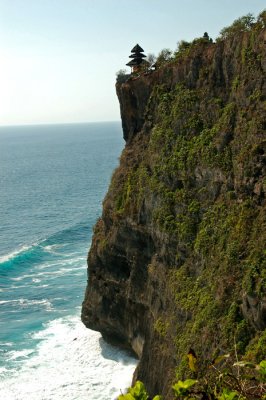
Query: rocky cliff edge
x=177, y=259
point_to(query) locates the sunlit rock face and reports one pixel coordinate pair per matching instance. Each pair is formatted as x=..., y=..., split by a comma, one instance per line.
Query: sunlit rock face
x=178, y=257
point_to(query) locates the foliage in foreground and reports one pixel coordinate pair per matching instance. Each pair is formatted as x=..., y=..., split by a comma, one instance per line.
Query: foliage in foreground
x=137, y=392
x=240, y=381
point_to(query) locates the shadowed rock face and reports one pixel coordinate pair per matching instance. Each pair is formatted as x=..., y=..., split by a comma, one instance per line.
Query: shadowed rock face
x=178, y=257
x=254, y=311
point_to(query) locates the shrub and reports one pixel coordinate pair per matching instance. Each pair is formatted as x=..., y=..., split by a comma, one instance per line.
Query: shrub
x=233, y=381
x=137, y=392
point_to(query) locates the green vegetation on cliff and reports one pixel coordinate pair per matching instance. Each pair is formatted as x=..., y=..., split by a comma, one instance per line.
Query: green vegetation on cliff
x=178, y=258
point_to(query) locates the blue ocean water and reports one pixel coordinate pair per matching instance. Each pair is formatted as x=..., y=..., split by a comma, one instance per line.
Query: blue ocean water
x=53, y=179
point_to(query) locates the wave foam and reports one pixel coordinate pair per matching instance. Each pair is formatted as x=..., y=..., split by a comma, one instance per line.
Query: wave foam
x=72, y=362
x=14, y=355
x=35, y=276
x=37, y=250
x=27, y=303
x=14, y=254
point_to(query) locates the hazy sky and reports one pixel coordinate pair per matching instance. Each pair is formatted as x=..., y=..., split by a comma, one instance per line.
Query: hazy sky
x=58, y=58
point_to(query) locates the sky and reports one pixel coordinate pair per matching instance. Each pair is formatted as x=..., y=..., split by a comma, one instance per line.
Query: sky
x=59, y=58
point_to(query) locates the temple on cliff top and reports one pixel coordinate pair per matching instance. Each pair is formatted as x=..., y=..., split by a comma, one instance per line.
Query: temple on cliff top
x=137, y=59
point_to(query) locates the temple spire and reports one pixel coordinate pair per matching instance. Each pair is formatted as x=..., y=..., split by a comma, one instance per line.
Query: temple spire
x=137, y=58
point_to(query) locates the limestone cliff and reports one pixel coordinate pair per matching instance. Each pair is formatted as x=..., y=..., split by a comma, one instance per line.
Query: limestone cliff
x=178, y=256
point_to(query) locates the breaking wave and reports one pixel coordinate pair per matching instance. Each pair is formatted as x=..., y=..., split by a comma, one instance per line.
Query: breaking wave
x=70, y=362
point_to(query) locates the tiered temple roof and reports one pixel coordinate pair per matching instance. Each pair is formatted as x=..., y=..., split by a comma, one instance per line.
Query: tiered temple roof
x=137, y=58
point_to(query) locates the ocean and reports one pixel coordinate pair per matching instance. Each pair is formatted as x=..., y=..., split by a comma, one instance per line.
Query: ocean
x=53, y=179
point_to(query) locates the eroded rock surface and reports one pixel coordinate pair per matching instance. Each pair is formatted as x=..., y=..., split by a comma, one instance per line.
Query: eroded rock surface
x=178, y=256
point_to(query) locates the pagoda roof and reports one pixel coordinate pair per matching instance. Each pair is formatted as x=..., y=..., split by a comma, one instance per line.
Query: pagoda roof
x=137, y=49
x=136, y=61
x=139, y=55
x=133, y=62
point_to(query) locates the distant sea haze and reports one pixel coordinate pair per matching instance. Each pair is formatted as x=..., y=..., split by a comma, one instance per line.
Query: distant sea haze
x=53, y=180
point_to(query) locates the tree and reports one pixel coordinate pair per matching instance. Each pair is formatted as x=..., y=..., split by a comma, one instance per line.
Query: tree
x=242, y=24
x=262, y=19
x=122, y=75
x=151, y=59
x=164, y=56
x=182, y=45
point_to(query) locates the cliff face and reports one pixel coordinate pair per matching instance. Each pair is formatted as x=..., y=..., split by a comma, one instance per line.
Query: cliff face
x=178, y=257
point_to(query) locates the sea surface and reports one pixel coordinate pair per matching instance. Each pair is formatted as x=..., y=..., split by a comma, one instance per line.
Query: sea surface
x=53, y=179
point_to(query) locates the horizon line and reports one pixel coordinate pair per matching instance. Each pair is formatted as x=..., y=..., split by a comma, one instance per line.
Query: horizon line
x=56, y=123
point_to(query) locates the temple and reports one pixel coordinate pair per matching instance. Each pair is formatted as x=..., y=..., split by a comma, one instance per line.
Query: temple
x=137, y=61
